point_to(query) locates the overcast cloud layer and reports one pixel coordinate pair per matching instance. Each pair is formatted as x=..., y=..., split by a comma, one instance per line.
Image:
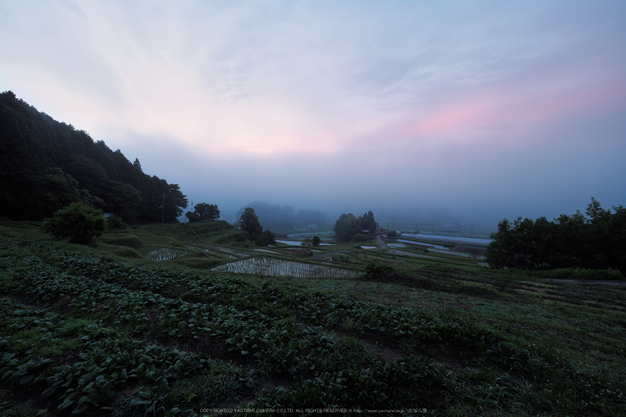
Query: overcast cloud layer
x=465, y=109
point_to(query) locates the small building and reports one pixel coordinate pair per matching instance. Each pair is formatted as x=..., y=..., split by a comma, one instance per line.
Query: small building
x=312, y=227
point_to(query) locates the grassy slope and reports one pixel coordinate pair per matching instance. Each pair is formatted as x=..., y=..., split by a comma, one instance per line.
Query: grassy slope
x=88, y=328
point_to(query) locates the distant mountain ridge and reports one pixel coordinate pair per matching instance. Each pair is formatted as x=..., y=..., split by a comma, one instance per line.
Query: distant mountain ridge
x=46, y=165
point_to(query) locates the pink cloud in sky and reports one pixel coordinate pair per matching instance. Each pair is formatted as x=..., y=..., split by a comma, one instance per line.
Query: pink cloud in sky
x=517, y=107
x=510, y=115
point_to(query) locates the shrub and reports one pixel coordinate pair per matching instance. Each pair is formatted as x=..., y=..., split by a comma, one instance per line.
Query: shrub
x=266, y=239
x=193, y=217
x=359, y=237
x=124, y=240
x=78, y=222
x=585, y=274
x=239, y=237
x=378, y=270
x=115, y=222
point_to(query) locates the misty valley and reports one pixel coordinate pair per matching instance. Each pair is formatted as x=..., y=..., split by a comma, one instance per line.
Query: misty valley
x=120, y=298
x=186, y=319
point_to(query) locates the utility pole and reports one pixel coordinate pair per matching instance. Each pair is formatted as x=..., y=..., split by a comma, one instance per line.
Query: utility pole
x=163, y=210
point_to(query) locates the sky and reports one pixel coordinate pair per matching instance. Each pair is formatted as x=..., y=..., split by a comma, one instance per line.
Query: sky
x=468, y=111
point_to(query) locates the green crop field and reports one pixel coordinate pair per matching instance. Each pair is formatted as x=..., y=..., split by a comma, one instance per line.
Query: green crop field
x=154, y=321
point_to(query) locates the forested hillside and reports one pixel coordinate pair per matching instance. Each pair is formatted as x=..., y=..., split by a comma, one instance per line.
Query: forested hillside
x=595, y=241
x=46, y=165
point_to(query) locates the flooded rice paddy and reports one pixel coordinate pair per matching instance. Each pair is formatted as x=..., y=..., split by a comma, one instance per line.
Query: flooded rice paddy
x=449, y=239
x=414, y=242
x=165, y=254
x=298, y=243
x=280, y=268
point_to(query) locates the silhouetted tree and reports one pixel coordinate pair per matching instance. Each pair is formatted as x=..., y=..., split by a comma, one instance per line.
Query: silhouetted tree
x=249, y=223
x=346, y=227
x=207, y=212
x=368, y=222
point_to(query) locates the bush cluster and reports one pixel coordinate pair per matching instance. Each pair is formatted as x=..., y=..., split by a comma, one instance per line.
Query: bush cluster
x=78, y=222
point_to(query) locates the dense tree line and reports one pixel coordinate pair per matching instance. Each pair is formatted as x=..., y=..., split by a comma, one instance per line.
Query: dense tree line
x=46, y=165
x=348, y=226
x=596, y=240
